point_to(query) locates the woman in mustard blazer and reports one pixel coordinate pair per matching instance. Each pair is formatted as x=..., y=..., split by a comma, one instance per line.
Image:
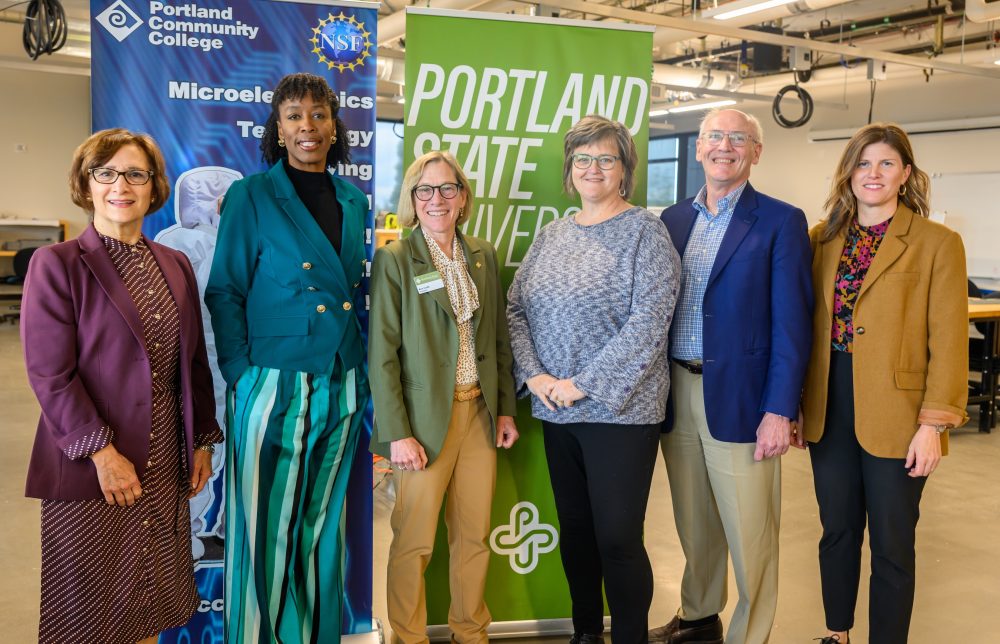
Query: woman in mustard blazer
x=443, y=393
x=887, y=377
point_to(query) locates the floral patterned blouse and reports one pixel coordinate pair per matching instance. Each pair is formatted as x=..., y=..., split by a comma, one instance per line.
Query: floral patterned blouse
x=859, y=251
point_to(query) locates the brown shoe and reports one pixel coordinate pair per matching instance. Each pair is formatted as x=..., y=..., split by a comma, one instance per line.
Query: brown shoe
x=672, y=633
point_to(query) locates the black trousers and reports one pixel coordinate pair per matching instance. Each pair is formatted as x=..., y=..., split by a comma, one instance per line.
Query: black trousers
x=600, y=479
x=852, y=485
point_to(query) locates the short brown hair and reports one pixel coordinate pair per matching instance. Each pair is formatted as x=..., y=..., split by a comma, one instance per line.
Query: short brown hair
x=406, y=211
x=594, y=128
x=841, y=205
x=99, y=148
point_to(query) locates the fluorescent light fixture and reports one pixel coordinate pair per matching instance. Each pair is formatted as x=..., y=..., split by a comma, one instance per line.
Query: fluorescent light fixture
x=694, y=107
x=742, y=8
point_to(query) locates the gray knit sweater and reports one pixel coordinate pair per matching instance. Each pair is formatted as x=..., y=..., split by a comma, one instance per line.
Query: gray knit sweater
x=594, y=303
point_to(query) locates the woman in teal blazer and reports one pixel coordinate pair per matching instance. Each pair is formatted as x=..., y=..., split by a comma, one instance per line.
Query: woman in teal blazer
x=443, y=393
x=282, y=294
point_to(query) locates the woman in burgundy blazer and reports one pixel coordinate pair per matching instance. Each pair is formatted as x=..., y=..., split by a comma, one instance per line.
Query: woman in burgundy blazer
x=114, y=350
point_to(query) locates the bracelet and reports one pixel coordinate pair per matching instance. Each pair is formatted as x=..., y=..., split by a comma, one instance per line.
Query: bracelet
x=210, y=448
x=940, y=429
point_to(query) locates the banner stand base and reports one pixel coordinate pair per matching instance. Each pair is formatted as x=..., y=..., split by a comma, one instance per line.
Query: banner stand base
x=375, y=636
x=523, y=628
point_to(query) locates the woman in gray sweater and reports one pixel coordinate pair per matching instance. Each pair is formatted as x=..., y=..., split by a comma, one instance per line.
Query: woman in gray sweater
x=589, y=312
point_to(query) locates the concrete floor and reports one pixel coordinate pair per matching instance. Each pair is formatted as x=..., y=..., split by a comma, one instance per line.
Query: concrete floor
x=958, y=588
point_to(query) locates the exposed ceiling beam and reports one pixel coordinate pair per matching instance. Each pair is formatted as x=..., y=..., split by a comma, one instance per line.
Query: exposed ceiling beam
x=715, y=28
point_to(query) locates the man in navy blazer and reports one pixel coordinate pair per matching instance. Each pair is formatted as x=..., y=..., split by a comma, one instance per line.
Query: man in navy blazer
x=739, y=344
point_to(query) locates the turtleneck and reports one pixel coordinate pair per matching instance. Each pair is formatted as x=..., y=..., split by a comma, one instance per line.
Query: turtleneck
x=320, y=198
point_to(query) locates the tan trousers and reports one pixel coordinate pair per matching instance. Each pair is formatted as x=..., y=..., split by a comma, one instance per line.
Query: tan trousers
x=724, y=503
x=465, y=474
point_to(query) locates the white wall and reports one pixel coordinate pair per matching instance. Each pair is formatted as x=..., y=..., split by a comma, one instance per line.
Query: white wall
x=50, y=115
x=797, y=171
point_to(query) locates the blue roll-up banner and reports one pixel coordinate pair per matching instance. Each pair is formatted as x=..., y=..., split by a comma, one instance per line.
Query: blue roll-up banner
x=198, y=77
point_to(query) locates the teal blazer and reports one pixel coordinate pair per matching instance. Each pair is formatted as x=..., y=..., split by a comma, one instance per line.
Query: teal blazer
x=413, y=344
x=278, y=293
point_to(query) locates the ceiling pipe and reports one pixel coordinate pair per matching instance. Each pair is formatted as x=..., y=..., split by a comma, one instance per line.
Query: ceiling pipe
x=393, y=27
x=665, y=38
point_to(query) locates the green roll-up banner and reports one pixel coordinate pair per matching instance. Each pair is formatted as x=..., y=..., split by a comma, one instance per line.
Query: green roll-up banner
x=499, y=92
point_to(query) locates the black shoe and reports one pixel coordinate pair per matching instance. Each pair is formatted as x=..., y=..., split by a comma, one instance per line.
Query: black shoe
x=673, y=633
x=832, y=639
x=586, y=638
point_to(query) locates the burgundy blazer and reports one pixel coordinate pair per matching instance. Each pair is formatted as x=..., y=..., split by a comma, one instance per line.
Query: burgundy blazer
x=87, y=362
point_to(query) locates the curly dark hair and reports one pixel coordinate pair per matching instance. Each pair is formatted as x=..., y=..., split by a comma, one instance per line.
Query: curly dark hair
x=295, y=86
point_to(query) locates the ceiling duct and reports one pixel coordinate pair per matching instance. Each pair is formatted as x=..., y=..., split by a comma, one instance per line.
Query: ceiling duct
x=982, y=10
x=925, y=127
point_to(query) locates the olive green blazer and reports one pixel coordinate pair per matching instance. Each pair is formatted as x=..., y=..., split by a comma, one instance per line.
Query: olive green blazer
x=911, y=339
x=413, y=344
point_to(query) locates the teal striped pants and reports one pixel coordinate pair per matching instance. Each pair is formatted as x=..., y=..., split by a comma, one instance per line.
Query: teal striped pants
x=290, y=444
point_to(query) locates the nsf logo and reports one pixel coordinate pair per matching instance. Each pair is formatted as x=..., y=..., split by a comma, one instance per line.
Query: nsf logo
x=341, y=42
x=524, y=538
x=119, y=20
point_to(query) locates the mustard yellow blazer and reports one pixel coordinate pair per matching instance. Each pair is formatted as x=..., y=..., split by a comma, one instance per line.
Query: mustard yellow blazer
x=911, y=362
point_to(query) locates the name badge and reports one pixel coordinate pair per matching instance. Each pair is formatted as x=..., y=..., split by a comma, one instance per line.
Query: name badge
x=428, y=282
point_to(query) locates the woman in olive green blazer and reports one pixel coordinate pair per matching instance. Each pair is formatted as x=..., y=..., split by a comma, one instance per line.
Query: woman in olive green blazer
x=887, y=376
x=443, y=393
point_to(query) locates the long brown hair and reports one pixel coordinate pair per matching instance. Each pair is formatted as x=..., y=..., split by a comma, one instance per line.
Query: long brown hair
x=841, y=205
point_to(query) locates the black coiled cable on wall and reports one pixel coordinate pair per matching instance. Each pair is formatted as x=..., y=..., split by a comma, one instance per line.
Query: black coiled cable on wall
x=807, y=107
x=45, y=28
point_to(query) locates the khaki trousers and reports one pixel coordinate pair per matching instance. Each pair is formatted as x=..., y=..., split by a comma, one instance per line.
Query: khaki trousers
x=724, y=503
x=464, y=474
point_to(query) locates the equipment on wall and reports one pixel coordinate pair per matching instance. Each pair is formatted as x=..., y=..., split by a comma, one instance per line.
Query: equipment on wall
x=804, y=98
x=45, y=28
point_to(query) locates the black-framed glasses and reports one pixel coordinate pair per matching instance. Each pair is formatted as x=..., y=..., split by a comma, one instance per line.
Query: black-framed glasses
x=425, y=192
x=737, y=139
x=604, y=161
x=132, y=176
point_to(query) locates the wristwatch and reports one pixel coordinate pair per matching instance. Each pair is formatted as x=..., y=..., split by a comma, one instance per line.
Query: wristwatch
x=940, y=429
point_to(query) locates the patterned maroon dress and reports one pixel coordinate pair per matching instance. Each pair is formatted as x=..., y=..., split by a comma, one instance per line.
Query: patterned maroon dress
x=121, y=574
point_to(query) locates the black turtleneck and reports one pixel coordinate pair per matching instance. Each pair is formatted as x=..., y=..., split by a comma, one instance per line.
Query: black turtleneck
x=320, y=198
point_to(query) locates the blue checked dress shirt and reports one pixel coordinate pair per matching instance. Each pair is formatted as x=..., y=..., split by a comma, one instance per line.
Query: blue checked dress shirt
x=686, y=334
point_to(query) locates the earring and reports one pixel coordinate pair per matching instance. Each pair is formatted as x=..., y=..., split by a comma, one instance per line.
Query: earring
x=333, y=139
x=461, y=211
x=902, y=190
x=281, y=142
x=621, y=192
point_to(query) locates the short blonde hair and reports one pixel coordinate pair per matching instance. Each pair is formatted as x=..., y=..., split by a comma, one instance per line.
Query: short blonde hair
x=406, y=209
x=99, y=148
x=594, y=128
x=756, y=130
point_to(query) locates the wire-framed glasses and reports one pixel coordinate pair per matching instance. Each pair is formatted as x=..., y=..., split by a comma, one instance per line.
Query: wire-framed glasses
x=604, y=161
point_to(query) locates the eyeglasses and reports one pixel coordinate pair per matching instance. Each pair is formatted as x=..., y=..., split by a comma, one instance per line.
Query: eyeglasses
x=110, y=175
x=604, y=161
x=737, y=139
x=425, y=192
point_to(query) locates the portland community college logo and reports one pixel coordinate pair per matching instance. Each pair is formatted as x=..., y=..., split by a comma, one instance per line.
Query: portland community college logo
x=119, y=20
x=524, y=538
x=341, y=42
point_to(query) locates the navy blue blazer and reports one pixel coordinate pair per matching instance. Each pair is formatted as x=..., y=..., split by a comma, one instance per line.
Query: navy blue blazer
x=757, y=314
x=279, y=295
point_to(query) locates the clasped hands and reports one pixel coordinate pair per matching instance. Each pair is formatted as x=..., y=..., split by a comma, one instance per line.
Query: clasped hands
x=409, y=454
x=554, y=392
x=120, y=484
